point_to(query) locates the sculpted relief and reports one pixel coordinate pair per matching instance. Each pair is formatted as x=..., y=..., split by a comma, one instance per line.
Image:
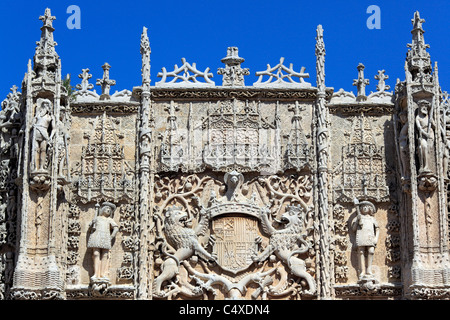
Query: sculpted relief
x=189, y=190
x=234, y=237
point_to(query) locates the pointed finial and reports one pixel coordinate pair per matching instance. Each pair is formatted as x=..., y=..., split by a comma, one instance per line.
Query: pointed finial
x=320, y=45
x=418, y=58
x=319, y=32
x=417, y=32
x=320, y=60
x=145, y=52
x=145, y=42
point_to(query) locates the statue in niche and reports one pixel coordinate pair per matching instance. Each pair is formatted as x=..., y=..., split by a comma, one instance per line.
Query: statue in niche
x=425, y=131
x=43, y=131
x=367, y=232
x=404, y=144
x=62, y=145
x=103, y=230
x=444, y=124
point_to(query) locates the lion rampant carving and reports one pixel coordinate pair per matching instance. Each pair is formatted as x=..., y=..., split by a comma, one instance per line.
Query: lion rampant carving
x=284, y=243
x=184, y=240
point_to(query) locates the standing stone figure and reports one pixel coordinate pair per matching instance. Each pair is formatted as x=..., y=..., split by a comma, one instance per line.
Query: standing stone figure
x=103, y=230
x=367, y=233
x=425, y=135
x=404, y=144
x=43, y=131
x=62, y=146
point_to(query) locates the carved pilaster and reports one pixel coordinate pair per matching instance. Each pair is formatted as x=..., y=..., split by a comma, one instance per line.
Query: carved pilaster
x=146, y=178
x=325, y=274
x=421, y=153
x=38, y=270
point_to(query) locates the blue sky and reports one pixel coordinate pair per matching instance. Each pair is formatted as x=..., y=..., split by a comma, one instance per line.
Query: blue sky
x=201, y=31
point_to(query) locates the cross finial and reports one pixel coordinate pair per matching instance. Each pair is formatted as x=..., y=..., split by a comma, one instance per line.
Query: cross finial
x=417, y=21
x=47, y=19
x=14, y=89
x=361, y=82
x=382, y=77
x=105, y=82
x=85, y=85
x=297, y=109
x=171, y=109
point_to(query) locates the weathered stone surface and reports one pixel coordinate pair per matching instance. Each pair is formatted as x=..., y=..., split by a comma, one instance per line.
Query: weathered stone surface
x=192, y=190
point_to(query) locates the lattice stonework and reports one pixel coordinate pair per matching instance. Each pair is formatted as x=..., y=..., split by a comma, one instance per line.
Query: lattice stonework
x=103, y=173
x=363, y=169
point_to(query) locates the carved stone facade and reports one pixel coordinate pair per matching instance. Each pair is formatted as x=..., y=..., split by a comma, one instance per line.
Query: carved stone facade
x=192, y=190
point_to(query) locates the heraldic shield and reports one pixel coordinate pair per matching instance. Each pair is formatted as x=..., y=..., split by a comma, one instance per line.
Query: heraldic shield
x=235, y=242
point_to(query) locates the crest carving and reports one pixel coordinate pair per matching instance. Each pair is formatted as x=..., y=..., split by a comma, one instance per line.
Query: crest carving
x=232, y=235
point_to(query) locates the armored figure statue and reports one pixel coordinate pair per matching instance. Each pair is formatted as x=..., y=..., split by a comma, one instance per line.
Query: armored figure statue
x=43, y=131
x=103, y=230
x=367, y=233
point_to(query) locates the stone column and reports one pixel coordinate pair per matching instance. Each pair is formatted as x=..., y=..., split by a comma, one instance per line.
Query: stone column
x=144, y=278
x=325, y=272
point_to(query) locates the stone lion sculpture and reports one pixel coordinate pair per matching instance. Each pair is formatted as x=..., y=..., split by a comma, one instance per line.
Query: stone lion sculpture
x=284, y=243
x=184, y=240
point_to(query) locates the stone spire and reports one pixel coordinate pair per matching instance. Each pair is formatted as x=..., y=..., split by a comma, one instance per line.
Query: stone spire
x=45, y=50
x=418, y=58
x=320, y=59
x=145, y=52
x=47, y=65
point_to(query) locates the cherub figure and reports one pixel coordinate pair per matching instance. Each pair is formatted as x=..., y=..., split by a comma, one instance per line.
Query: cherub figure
x=367, y=233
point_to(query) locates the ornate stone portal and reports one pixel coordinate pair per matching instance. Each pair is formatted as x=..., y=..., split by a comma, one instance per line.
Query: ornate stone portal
x=190, y=190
